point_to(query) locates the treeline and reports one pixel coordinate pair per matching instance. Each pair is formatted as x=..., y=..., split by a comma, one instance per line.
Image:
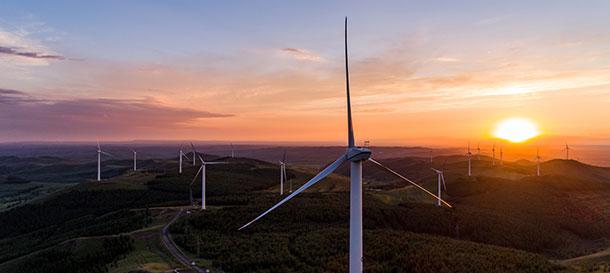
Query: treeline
x=311, y=235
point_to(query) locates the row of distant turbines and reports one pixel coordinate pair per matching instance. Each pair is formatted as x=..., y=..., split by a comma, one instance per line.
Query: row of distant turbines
x=469, y=156
x=354, y=155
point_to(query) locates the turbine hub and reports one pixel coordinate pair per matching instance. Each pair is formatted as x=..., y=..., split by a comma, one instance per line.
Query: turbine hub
x=356, y=154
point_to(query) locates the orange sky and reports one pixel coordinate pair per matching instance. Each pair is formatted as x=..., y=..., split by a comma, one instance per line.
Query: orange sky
x=433, y=78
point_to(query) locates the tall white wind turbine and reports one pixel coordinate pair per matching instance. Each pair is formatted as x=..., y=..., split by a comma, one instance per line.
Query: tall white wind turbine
x=202, y=170
x=478, y=152
x=283, y=174
x=469, y=154
x=356, y=156
x=135, y=156
x=181, y=155
x=441, y=183
x=567, y=149
x=99, y=161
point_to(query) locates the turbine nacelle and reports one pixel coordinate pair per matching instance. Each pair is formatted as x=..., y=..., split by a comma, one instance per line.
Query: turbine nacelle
x=357, y=154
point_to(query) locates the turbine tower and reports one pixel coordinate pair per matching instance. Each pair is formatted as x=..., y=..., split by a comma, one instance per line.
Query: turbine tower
x=181, y=155
x=567, y=148
x=99, y=161
x=283, y=174
x=202, y=170
x=356, y=156
x=493, y=157
x=501, y=156
x=537, y=161
x=194, y=153
x=469, y=154
x=441, y=183
x=135, y=156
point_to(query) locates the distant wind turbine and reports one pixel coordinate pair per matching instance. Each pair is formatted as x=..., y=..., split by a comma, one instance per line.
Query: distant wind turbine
x=469, y=154
x=202, y=170
x=441, y=183
x=501, y=156
x=283, y=174
x=99, y=161
x=493, y=157
x=537, y=161
x=478, y=152
x=194, y=153
x=567, y=149
x=135, y=156
x=181, y=155
x=232, y=151
x=355, y=155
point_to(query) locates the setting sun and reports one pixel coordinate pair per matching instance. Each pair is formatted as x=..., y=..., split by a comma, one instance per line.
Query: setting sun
x=516, y=130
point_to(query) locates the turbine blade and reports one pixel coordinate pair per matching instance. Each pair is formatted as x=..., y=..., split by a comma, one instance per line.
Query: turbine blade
x=406, y=179
x=107, y=154
x=350, y=127
x=284, y=158
x=200, y=158
x=321, y=175
x=196, y=175
x=216, y=163
x=443, y=179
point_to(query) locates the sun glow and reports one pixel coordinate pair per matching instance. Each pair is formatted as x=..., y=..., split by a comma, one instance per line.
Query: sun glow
x=516, y=129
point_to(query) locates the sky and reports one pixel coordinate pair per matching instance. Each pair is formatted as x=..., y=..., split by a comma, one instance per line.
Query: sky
x=421, y=72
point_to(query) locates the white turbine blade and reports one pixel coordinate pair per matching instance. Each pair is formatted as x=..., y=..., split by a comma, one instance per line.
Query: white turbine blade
x=406, y=179
x=216, y=163
x=202, y=162
x=107, y=154
x=443, y=179
x=350, y=127
x=185, y=156
x=435, y=170
x=197, y=174
x=321, y=175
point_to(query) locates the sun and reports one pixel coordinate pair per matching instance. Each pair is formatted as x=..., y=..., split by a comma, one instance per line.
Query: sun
x=516, y=129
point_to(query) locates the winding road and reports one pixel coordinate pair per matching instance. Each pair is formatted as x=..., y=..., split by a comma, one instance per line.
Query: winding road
x=170, y=245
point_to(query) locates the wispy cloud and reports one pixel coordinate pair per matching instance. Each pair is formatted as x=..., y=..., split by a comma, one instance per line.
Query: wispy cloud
x=446, y=60
x=35, y=55
x=302, y=54
x=24, y=114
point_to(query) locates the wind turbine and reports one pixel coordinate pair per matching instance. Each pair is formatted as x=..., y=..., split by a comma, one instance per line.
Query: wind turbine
x=232, y=151
x=537, y=161
x=441, y=179
x=202, y=171
x=355, y=155
x=469, y=154
x=493, y=158
x=283, y=174
x=99, y=161
x=180, y=156
x=135, y=156
x=194, y=153
x=501, y=156
x=478, y=152
x=567, y=149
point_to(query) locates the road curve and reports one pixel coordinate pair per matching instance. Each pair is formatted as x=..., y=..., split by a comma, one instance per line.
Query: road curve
x=171, y=247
